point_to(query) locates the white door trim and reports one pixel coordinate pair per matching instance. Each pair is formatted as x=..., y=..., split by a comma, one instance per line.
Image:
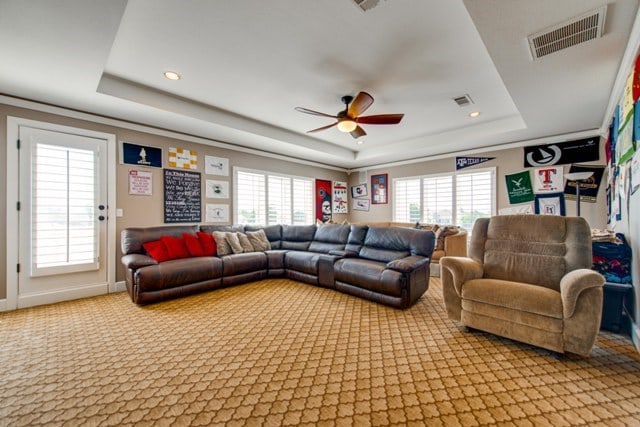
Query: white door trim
x=12, y=168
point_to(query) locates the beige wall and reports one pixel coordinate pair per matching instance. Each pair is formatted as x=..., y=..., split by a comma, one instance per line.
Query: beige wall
x=506, y=162
x=148, y=210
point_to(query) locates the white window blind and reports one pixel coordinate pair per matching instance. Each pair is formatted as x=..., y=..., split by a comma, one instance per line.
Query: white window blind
x=64, y=226
x=262, y=198
x=251, y=196
x=456, y=198
x=474, y=197
x=407, y=200
x=438, y=199
x=302, y=201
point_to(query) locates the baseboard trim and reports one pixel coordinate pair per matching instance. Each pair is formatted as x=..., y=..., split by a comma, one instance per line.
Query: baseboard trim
x=3, y=304
x=117, y=287
x=62, y=295
x=635, y=336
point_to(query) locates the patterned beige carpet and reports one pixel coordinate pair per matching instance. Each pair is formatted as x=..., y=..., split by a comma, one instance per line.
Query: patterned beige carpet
x=278, y=352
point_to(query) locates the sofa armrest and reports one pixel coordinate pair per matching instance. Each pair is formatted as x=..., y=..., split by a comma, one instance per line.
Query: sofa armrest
x=573, y=283
x=462, y=269
x=456, y=245
x=135, y=261
x=407, y=264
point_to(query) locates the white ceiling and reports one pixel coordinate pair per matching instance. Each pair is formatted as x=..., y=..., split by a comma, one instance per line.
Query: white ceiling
x=247, y=64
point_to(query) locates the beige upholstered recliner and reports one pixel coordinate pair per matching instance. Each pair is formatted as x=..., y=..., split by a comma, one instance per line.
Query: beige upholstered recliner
x=527, y=278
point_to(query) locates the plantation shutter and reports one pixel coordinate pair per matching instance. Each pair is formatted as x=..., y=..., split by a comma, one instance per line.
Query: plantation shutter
x=302, y=201
x=438, y=200
x=251, y=195
x=279, y=196
x=474, y=197
x=64, y=200
x=407, y=200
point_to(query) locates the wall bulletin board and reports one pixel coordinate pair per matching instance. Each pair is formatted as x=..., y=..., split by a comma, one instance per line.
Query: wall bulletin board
x=182, y=196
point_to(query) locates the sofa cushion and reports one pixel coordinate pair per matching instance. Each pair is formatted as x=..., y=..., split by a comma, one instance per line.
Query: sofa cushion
x=259, y=240
x=444, y=232
x=207, y=242
x=273, y=233
x=176, y=247
x=245, y=243
x=176, y=273
x=357, y=234
x=244, y=263
x=222, y=245
x=514, y=295
x=329, y=237
x=194, y=247
x=385, y=244
x=157, y=250
x=297, y=237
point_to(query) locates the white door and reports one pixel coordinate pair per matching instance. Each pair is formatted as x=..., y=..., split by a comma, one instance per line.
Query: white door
x=62, y=216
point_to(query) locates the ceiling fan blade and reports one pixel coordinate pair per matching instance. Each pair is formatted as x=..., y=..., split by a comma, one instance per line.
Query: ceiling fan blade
x=322, y=128
x=381, y=119
x=315, y=113
x=358, y=132
x=359, y=105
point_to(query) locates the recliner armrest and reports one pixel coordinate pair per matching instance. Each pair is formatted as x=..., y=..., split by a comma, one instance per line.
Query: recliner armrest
x=462, y=269
x=135, y=261
x=573, y=283
x=407, y=264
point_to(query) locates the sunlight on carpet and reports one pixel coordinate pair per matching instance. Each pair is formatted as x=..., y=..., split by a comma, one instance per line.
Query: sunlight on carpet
x=284, y=353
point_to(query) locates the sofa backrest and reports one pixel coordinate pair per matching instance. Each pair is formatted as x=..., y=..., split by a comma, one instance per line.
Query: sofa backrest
x=211, y=228
x=297, y=237
x=388, y=243
x=536, y=249
x=131, y=239
x=330, y=237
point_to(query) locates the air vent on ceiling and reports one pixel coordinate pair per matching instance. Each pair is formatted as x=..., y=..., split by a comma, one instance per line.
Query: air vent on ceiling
x=574, y=31
x=366, y=4
x=463, y=100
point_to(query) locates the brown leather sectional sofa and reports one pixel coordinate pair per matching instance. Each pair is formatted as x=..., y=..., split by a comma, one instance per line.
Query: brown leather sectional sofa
x=388, y=265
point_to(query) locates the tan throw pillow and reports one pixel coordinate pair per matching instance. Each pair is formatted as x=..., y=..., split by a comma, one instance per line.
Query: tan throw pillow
x=259, y=240
x=245, y=243
x=222, y=245
x=443, y=232
x=234, y=242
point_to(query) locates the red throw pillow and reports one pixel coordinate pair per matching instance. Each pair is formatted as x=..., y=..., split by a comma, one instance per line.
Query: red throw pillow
x=193, y=244
x=175, y=247
x=157, y=250
x=208, y=243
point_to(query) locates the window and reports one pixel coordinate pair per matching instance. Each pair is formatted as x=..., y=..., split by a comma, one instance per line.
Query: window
x=456, y=198
x=266, y=198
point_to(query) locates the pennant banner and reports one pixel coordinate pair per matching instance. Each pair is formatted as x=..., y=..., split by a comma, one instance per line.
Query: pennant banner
x=548, y=180
x=141, y=155
x=519, y=187
x=588, y=187
x=465, y=162
x=582, y=150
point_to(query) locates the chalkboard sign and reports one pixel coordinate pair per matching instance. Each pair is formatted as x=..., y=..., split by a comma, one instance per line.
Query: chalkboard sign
x=182, y=196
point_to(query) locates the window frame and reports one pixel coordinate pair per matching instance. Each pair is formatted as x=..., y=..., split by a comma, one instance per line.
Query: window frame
x=266, y=175
x=491, y=170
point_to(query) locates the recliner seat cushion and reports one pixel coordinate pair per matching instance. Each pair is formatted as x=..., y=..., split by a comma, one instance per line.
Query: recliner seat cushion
x=305, y=262
x=175, y=273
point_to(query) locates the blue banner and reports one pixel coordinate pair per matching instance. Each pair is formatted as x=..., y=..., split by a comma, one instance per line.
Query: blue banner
x=465, y=162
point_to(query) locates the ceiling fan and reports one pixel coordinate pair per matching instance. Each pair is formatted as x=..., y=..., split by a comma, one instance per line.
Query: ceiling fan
x=349, y=119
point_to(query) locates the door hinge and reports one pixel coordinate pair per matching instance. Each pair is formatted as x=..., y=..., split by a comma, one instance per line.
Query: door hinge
x=18, y=268
x=18, y=144
x=18, y=206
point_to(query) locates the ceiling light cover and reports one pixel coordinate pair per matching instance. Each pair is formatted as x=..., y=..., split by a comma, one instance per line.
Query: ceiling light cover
x=474, y=114
x=347, y=126
x=172, y=75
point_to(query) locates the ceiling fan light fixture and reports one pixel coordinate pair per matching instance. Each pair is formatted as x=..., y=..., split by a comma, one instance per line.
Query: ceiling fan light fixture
x=474, y=114
x=347, y=125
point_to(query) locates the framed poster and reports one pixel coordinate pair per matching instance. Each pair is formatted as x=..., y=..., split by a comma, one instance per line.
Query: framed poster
x=216, y=213
x=217, y=189
x=323, y=200
x=140, y=155
x=550, y=204
x=340, y=197
x=216, y=165
x=360, y=204
x=379, y=189
x=359, y=190
x=183, y=159
x=140, y=183
x=182, y=196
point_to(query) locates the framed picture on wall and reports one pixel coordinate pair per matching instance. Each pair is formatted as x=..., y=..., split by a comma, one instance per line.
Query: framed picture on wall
x=379, y=189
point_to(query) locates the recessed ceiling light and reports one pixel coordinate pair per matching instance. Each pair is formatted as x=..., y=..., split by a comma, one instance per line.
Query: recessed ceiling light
x=172, y=75
x=474, y=114
x=360, y=142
